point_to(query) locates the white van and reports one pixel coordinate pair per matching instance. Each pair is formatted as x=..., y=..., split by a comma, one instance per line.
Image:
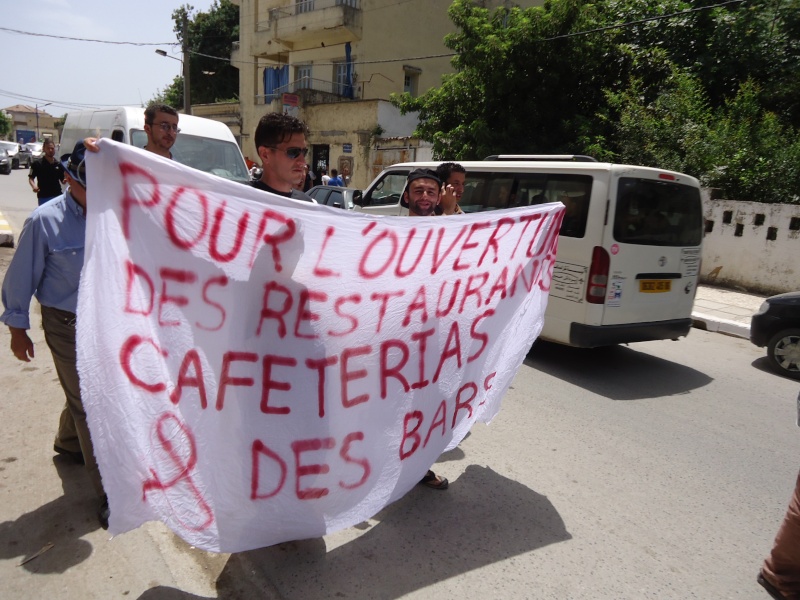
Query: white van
x=629, y=249
x=203, y=144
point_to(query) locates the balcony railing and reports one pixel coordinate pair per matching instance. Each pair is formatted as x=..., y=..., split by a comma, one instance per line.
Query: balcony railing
x=307, y=6
x=316, y=85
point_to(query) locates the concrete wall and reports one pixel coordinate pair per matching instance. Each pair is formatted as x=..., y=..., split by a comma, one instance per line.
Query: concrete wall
x=751, y=245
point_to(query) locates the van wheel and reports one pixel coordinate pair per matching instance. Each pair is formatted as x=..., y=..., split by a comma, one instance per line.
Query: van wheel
x=784, y=352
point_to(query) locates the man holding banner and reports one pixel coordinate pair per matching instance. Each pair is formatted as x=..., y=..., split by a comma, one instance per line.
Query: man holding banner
x=47, y=264
x=281, y=143
x=422, y=194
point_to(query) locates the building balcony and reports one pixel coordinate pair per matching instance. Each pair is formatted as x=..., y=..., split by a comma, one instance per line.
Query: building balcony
x=310, y=91
x=308, y=24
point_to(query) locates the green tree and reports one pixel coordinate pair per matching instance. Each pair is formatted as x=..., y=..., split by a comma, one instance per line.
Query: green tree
x=653, y=82
x=755, y=156
x=513, y=92
x=671, y=131
x=209, y=34
x=5, y=124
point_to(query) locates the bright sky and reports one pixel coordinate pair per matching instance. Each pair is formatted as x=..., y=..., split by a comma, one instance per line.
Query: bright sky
x=77, y=74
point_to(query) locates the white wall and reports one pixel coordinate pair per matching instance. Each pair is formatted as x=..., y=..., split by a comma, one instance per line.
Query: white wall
x=749, y=260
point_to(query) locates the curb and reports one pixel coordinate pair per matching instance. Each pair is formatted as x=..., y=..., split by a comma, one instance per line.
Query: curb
x=6, y=235
x=717, y=325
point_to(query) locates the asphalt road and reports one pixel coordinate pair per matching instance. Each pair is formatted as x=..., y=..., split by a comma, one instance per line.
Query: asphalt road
x=16, y=198
x=659, y=470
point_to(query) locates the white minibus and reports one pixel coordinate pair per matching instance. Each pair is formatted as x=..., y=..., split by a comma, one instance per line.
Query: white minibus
x=203, y=144
x=628, y=257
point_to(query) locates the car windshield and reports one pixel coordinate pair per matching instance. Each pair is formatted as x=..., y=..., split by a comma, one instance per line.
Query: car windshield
x=8, y=145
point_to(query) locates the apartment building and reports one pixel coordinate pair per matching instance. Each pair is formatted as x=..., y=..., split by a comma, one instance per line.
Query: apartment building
x=334, y=63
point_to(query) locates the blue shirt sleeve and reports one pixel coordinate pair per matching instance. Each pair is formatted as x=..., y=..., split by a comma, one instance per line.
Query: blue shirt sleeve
x=24, y=274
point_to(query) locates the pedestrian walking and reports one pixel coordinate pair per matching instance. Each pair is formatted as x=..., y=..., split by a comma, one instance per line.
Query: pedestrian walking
x=46, y=174
x=780, y=573
x=47, y=264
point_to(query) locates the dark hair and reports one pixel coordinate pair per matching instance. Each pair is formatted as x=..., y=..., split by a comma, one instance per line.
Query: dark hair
x=152, y=109
x=444, y=170
x=274, y=128
x=334, y=172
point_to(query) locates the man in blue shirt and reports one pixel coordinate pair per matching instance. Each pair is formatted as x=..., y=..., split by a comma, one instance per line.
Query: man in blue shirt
x=47, y=264
x=335, y=179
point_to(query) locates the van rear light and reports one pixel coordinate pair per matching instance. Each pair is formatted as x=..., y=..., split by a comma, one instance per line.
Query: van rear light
x=666, y=176
x=598, y=276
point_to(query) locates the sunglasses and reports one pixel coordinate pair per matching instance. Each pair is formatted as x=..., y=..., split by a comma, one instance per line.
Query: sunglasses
x=292, y=152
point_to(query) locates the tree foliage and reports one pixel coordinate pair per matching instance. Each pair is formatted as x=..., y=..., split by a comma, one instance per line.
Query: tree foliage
x=212, y=34
x=5, y=124
x=653, y=82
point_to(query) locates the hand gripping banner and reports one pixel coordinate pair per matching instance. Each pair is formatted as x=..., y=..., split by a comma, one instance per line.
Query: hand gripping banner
x=257, y=369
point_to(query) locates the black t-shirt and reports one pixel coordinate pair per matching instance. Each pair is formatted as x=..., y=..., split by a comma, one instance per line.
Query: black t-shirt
x=48, y=176
x=296, y=194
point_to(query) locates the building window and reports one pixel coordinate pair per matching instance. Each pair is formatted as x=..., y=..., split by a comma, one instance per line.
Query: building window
x=340, y=78
x=304, y=6
x=302, y=77
x=411, y=80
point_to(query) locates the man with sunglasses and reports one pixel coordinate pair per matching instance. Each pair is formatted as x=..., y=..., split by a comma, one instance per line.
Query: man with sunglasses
x=281, y=144
x=47, y=264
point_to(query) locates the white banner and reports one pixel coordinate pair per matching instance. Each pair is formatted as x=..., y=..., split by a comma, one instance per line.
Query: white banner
x=257, y=369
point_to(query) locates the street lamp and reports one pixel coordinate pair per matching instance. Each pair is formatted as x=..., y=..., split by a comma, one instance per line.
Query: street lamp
x=38, y=136
x=187, y=102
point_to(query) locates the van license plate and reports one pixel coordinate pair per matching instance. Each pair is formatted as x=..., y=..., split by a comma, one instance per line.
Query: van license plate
x=655, y=286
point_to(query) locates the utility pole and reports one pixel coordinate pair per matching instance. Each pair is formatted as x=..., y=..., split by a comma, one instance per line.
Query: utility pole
x=187, y=100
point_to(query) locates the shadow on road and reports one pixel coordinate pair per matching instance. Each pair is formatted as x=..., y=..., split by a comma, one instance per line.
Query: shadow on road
x=61, y=523
x=422, y=539
x=764, y=365
x=616, y=372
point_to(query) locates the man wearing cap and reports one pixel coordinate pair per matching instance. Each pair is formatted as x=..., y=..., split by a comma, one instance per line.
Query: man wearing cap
x=421, y=197
x=47, y=264
x=423, y=193
x=281, y=144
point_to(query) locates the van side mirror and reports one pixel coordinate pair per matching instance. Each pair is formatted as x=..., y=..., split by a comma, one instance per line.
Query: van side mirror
x=358, y=198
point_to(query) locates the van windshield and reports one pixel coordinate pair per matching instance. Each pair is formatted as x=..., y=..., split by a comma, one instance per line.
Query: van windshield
x=217, y=157
x=658, y=213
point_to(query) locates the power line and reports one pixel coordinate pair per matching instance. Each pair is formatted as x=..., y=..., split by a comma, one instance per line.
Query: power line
x=74, y=39
x=67, y=105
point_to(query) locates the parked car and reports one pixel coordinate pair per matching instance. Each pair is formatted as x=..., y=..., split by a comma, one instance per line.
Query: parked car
x=18, y=157
x=776, y=325
x=37, y=149
x=333, y=195
x=5, y=162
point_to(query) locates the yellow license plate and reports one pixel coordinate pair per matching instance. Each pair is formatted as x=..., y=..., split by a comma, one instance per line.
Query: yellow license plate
x=655, y=286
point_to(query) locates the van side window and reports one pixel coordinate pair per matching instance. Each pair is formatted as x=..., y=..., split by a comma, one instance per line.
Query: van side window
x=573, y=191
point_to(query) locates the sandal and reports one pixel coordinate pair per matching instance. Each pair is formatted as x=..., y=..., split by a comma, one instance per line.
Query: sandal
x=434, y=481
x=771, y=589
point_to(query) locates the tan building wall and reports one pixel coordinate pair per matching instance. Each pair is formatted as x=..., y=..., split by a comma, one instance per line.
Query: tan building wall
x=394, y=46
